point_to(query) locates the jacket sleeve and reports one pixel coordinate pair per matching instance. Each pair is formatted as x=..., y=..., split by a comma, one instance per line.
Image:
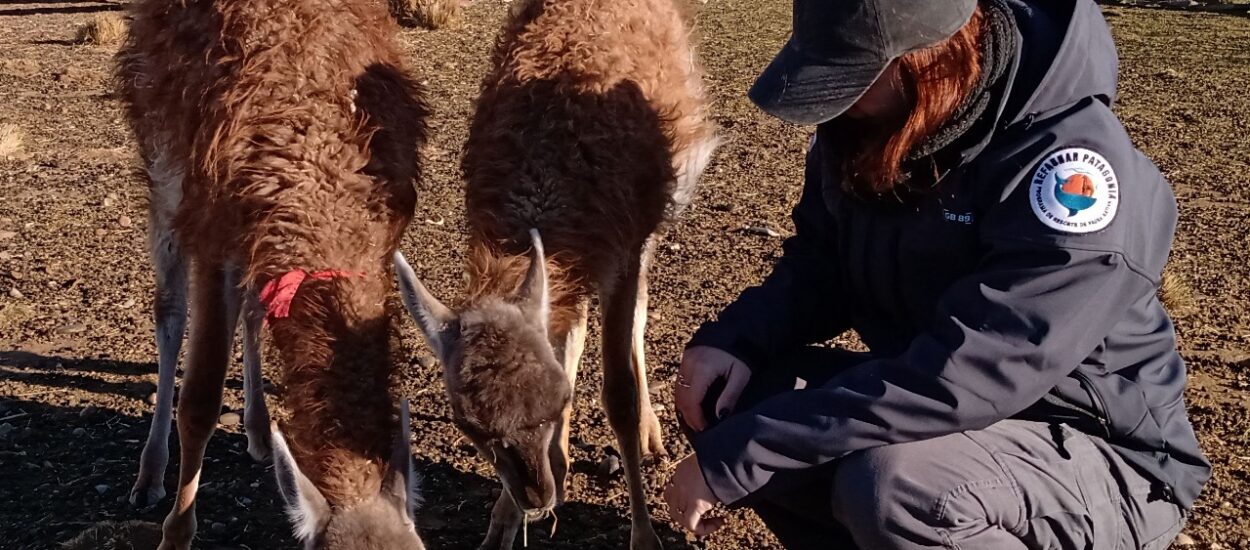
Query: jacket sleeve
x=1004, y=336
x=798, y=302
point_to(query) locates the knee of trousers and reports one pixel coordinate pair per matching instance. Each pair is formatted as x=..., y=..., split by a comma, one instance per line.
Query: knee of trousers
x=896, y=495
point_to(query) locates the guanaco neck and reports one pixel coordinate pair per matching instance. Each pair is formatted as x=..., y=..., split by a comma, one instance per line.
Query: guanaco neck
x=493, y=273
x=337, y=346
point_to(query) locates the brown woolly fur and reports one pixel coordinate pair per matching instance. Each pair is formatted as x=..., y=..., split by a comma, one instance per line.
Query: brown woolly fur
x=575, y=135
x=431, y=14
x=103, y=30
x=493, y=273
x=296, y=132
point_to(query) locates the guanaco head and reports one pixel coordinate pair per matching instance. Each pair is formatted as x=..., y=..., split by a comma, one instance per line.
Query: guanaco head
x=506, y=388
x=382, y=522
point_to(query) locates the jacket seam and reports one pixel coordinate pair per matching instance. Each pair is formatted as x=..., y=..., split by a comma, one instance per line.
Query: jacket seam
x=1129, y=262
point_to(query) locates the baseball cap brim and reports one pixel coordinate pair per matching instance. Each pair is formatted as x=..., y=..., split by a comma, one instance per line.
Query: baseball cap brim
x=806, y=90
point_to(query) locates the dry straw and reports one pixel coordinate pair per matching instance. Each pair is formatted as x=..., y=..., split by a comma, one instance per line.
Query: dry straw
x=105, y=29
x=431, y=14
x=10, y=140
x=116, y=535
x=1176, y=295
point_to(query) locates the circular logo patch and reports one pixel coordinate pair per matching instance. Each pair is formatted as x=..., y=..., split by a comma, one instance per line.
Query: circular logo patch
x=1074, y=190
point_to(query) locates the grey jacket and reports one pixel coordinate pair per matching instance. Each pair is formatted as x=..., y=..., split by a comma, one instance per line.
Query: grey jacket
x=1025, y=288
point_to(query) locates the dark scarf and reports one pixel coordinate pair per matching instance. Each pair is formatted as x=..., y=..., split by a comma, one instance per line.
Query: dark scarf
x=997, y=52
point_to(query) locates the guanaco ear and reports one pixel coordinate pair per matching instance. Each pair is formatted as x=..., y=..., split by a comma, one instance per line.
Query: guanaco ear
x=305, y=505
x=437, y=322
x=401, y=485
x=535, y=300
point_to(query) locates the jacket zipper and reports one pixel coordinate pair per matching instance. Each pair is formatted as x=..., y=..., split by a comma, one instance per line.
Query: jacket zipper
x=1100, y=406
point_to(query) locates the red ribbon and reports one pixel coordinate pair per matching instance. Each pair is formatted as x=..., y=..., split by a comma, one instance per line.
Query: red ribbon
x=278, y=293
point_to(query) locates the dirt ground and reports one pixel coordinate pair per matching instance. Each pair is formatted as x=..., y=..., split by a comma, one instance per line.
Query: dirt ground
x=77, y=359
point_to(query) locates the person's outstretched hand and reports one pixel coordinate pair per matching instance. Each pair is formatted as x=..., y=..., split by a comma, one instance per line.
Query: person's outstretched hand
x=702, y=366
x=690, y=500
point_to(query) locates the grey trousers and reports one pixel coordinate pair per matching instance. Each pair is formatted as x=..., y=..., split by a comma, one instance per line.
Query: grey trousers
x=1015, y=485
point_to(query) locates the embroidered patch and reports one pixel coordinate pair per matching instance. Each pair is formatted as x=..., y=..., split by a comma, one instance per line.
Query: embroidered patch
x=1075, y=190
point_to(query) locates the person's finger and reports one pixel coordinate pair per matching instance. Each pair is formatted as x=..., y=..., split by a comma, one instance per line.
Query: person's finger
x=708, y=525
x=735, y=383
x=688, y=398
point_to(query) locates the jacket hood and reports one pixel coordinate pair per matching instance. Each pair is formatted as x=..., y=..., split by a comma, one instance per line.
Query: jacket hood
x=1067, y=54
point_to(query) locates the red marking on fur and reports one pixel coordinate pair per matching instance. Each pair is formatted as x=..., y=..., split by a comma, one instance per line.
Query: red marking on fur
x=278, y=293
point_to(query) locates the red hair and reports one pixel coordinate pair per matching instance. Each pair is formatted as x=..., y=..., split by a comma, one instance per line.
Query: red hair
x=936, y=81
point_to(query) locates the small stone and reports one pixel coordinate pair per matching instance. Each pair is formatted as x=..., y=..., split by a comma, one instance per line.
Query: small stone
x=657, y=387
x=86, y=411
x=217, y=527
x=6, y=235
x=101, y=488
x=47, y=465
x=762, y=230
x=659, y=407
x=5, y=430
x=108, y=202
x=5, y=256
x=100, y=232
x=151, y=398
x=674, y=247
x=79, y=432
x=125, y=221
x=121, y=499
x=129, y=303
x=229, y=419
x=16, y=294
x=654, y=316
x=245, y=501
x=1184, y=540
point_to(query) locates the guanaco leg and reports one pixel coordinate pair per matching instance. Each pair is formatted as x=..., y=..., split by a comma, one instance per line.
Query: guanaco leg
x=199, y=403
x=621, y=388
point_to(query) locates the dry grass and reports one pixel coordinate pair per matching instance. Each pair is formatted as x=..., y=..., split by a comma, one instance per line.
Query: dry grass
x=13, y=314
x=10, y=140
x=431, y=14
x=115, y=535
x=105, y=29
x=1176, y=294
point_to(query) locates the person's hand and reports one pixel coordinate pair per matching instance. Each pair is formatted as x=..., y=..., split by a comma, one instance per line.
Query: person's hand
x=702, y=366
x=689, y=499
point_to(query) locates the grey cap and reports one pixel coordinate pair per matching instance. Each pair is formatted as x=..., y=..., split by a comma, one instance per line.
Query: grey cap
x=840, y=47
